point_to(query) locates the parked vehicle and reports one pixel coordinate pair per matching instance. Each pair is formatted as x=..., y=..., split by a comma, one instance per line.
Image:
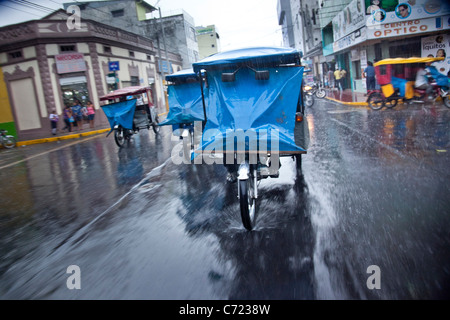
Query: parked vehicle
x=7, y=141
x=396, y=78
x=254, y=116
x=316, y=90
x=129, y=110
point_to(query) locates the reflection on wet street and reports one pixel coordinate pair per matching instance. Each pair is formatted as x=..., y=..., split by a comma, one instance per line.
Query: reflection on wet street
x=374, y=191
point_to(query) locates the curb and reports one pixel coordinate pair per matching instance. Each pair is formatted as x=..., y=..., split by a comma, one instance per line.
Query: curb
x=70, y=136
x=364, y=104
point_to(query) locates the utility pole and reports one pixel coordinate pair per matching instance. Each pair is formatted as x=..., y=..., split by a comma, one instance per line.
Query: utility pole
x=167, y=60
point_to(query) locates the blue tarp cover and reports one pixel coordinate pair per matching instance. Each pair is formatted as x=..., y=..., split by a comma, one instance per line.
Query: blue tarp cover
x=120, y=113
x=399, y=83
x=266, y=106
x=257, y=55
x=441, y=79
x=185, y=100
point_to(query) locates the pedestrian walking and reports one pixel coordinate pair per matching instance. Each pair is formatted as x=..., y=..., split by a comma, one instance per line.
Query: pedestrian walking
x=54, y=118
x=330, y=79
x=369, y=72
x=90, y=113
x=68, y=118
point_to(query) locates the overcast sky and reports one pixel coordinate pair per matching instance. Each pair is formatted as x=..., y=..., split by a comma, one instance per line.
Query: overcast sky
x=241, y=23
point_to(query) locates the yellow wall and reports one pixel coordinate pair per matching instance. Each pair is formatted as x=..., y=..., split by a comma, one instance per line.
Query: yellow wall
x=5, y=107
x=6, y=117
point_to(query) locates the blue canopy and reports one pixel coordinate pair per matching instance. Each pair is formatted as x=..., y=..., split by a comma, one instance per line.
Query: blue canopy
x=256, y=56
x=185, y=99
x=120, y=113
x=261, y=109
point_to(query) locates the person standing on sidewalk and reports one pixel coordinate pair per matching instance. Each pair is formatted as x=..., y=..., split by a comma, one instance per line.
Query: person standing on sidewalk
x=90, y=113
x=78, y=114
x=342, y=80
x=369, y=72
x=67, y=116
x=54, y=118
x=337, y=77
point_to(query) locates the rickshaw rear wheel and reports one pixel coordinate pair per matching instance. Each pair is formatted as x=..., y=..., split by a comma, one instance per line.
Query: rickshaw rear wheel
x=119, y=137
x=309, y=100
x=298, y=162
x=375, y=101
x=446, y=101
x=247, y=202
x=155, y=125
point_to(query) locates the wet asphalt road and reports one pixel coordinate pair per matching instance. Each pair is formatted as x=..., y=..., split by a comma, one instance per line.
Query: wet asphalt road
x=374, y=191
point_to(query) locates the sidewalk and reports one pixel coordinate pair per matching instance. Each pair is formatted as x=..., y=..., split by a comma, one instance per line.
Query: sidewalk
x=347, y=97
x=64, y=136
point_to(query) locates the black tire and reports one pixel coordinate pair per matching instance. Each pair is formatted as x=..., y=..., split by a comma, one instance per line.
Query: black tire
x=376, y=101
x=298, y=162
x=309, y=100
x=120, y=137
x=391, y=103
x=156, y=127
x=321, y=93
x=247, y=202
x=446, y=100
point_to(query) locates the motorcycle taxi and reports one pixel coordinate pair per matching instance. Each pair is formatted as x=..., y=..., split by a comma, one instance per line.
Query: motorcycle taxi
x=396, y=78
x=129, y=110
x=185, y=108
x=254, y=116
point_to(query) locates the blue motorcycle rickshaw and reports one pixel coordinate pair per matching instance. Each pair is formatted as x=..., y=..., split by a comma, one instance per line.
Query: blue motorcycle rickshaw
x=129, y=110
x=185, y=108
x=254, y=115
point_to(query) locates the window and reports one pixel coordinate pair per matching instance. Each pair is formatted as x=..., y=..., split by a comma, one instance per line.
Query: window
x=149, y=57
x=67, y=48
x=134, y=81
x=107, y=49
x=118, y=13
x=212, y=46
x=15, y=55
x=131, y=53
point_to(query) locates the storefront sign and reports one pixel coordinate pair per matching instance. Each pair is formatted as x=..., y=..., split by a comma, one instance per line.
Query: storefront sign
x=391, y=11
x=352, y=39
x=410, y=27
x=363, y=57
x=438, y=46
x=349, y=19
x=70, y=62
